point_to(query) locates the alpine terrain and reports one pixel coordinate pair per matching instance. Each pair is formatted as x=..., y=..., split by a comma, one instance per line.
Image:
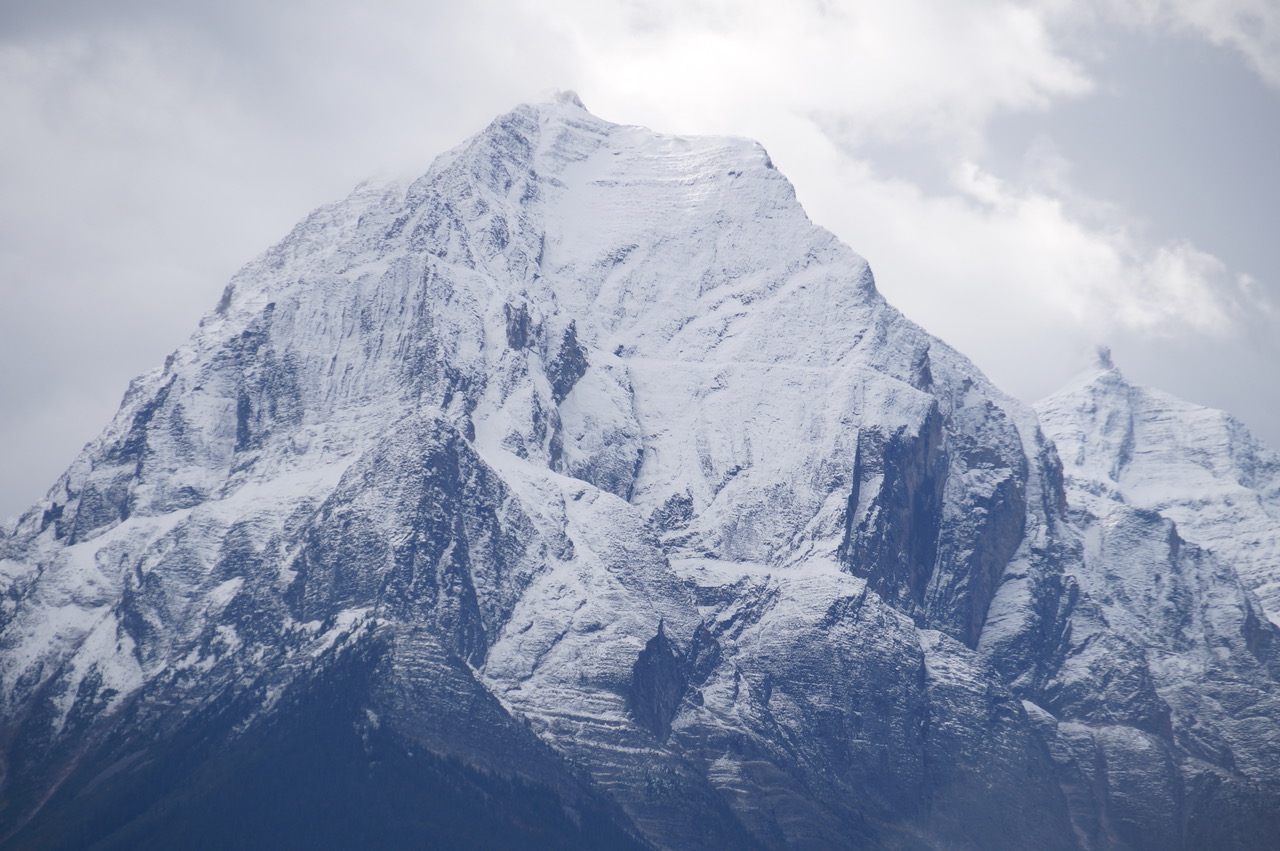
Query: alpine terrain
x=583, y=493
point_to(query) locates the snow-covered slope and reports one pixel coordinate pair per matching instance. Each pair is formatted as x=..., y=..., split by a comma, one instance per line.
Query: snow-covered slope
x=1198, y=467
x=1175, y=505
x=586, y=462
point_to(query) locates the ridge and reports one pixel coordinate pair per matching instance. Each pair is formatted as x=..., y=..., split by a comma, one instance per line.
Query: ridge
x=1199, y=467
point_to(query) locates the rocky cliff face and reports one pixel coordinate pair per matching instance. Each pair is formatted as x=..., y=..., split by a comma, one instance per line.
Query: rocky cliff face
x=1174, y=506
x=583, y=493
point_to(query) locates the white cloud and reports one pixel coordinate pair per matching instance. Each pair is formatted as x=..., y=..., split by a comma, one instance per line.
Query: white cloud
x=1250, y=26
x=880, y=70
x=1102, y=278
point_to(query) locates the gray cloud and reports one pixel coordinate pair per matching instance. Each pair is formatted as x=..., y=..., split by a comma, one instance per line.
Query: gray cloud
x=1251, y=27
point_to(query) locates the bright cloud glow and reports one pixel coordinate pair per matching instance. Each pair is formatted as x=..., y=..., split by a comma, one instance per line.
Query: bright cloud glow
x=887, y=70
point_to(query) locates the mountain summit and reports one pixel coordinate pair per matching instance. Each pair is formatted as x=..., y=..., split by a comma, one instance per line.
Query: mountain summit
x=1195, y=466
x=583, y=493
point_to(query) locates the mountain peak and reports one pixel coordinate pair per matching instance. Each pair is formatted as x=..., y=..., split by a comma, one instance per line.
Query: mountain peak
x=1098, y=376
x=1123, y=443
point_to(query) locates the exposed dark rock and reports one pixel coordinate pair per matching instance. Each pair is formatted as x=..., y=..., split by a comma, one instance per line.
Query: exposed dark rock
x=569, y=364
x=658, y=683
x=519, y=326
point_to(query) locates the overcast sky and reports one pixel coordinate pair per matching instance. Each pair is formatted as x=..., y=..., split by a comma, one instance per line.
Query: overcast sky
x=1028, y=180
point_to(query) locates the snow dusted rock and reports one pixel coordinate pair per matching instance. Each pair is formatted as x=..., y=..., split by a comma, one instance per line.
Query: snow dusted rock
x=583, y=493
x=1198, y=467
x=1167, y=656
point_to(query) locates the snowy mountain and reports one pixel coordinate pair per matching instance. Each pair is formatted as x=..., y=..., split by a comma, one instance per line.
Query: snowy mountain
x=1174, y=506
x=583, y=493
x=1195, y=466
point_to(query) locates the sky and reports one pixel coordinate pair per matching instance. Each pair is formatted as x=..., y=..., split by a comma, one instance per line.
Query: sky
x=1029, y=180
